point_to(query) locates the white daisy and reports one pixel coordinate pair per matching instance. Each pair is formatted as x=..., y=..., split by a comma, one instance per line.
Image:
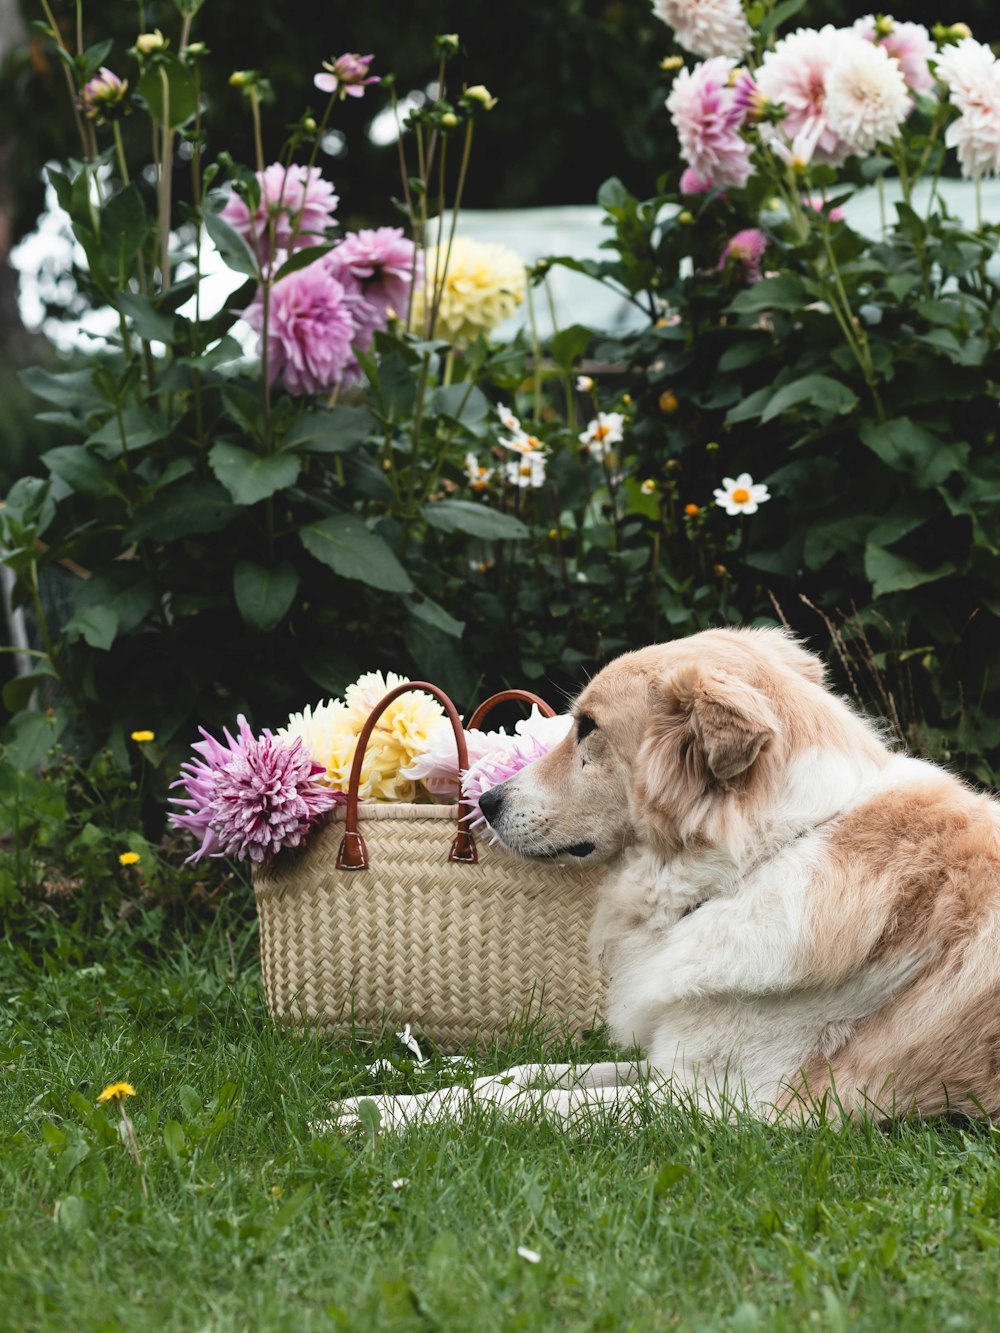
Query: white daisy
x=526, y=471
x=507, y=418
x=742, y=495
x=479, y=476
x=606, y=429
x=584, y=384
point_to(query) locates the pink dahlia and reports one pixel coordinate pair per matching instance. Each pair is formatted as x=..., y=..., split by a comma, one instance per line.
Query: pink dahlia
x=295, y=200
x=971, y=73
x=377, y=266
x=747, y=248
x=909, y=44
x=702, y=105
x=312, y=324
x=534, y=736
x=249, y=798
x=794, y=76
x=347, y=75
x=819, y=205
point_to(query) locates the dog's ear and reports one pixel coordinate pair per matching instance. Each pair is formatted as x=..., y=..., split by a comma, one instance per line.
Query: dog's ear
x=730, y=722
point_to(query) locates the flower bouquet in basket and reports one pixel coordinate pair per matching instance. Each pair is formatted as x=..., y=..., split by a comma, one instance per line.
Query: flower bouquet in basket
x=368, y=909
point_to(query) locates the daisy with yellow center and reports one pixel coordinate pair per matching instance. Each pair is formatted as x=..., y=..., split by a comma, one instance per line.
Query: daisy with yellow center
x=741, y=495
x=479, y=476
x=606, y=429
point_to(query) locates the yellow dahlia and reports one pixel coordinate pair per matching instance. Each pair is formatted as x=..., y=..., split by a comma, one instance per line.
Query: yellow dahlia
x=483, y=286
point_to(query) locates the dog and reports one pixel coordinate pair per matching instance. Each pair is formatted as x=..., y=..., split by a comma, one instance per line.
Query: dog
x=795, y=916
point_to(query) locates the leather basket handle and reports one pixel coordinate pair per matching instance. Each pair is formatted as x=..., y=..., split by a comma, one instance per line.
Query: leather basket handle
x=487, y=706
x=353, y=854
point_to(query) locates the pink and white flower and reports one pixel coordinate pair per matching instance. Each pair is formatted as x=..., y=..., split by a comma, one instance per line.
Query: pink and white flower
x=311, y=326
x=909, y=44
x=866, y=95
x=379, y=264
x=103, y=97
x=250, y=797
x=534, y=736
x=971, y=74
x=704, y=110
x=295, y=201
x=346, y=75
x=707, y=27
x=794, y=77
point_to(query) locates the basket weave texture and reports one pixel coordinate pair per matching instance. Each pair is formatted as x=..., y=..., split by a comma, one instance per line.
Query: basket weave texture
x=454, y=949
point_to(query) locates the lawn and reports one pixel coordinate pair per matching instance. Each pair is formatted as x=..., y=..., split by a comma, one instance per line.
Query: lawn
x=253, y=1220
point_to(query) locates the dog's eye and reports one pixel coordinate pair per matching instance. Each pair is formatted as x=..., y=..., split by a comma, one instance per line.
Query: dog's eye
x=584, y=726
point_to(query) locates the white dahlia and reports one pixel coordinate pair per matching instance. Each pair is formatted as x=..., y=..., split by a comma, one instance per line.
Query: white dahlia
x=866, y=95
x=794, y=76
x=707, y=27
x=972, y=75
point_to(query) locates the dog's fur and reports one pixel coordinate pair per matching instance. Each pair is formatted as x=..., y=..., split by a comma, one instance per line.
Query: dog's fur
x=791, y=909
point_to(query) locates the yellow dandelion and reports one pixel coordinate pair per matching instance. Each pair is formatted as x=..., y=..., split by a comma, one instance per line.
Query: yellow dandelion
x=116, y=1092
x=143, y=736
x=129, y=859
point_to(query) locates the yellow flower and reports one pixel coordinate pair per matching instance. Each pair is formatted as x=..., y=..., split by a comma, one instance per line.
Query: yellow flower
x=129, y=859
x=116, y=1092
x=669, y=402
x=143, y=736
x=648, y=487
x=483, y=286
x=148, y=42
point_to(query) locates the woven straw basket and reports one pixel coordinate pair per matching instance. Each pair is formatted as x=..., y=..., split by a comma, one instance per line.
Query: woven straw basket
x=375, y=921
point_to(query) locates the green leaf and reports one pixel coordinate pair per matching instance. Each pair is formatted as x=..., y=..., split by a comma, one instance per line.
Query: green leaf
x=464, y=403
x=67, y=388
x=181, y=100
x=182, y=510
x=909, y=448
x=78, y=467
x=174, y=1139
x=235, y=252
x=302, y=259
x=432, y=614
x=263, y=596
x=123, y=229
x=779, y=15
x=569, y=345
x=784, y=292
x=397, y=387
x=745, y=353
x=96, y=625
x=33, y=736
x=751, y=407
x=147, y=321
x=475, y=519
x=125, y=591
x=334, y=430
x=141, y=426
x=250, y=477
x=346, y=545
x=890, y=572
x=828, y=396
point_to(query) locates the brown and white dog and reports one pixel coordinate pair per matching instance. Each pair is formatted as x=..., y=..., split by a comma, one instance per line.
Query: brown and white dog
x=791, y=908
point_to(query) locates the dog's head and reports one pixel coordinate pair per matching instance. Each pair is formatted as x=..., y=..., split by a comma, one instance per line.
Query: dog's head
x=665, y=740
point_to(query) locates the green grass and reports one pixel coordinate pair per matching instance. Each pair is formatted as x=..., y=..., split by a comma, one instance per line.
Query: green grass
x=254, y=1221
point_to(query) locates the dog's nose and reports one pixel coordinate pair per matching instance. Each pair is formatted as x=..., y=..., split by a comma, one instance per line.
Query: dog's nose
x=490, y=803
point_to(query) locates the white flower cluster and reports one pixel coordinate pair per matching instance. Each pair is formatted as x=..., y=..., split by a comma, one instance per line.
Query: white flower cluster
x=971, y=73
x=525, y=471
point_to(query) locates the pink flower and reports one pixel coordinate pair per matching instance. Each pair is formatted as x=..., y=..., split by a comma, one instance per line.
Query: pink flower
x=909, y=44
x=794, y=75
x=703, y=108
x=346, y=74
x=747, y=248
x=692, y=183
x=102, y=97
x=707, y=27
x=249, y=798
x=535, y=736
x=312, y=324
x=819, y=205
x=377, y=266
x=971, y=73
x=296, y=200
